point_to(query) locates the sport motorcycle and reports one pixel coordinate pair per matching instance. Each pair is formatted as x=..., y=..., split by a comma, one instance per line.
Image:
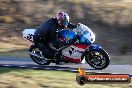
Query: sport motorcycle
x=82, y=49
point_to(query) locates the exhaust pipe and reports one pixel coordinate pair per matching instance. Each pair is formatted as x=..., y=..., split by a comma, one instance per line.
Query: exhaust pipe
x=31, y=53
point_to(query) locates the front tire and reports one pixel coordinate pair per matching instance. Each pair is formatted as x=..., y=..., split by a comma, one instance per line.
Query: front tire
x=98, y=59
x=37, y=60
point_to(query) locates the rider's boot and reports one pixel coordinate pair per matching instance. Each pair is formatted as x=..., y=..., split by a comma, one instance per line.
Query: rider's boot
x=58, y=62
x=58, y=58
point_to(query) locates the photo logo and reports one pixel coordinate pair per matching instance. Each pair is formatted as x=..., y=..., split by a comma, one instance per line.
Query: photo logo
x=83, y=78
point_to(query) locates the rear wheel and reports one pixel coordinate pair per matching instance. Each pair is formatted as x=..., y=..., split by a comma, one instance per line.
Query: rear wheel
x=98, y=59
x=40, y=61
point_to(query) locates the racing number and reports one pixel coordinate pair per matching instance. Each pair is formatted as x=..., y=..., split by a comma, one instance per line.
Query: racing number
x=29, y=36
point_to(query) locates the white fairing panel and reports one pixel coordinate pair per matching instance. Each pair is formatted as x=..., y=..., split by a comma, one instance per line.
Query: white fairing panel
x=28, y=34
x=86, y=32
x=73, y=52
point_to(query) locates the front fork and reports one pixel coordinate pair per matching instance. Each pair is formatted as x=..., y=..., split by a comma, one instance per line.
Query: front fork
x=90, y=49
x=95, y=48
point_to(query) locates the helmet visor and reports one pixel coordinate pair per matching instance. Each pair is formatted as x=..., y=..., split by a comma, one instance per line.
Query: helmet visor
x=64, y=22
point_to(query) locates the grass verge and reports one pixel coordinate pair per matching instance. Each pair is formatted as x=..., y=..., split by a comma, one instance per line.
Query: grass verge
x=28, y=78
x=19, y=53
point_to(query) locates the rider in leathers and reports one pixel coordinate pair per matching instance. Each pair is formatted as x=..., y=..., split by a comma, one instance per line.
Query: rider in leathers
x=47, y=32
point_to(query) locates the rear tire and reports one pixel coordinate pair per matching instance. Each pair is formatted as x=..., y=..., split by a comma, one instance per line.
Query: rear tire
x=89, y=57
x=36, y=59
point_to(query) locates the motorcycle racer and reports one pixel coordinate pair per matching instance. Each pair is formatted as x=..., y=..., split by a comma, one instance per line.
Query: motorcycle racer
x=47, y=32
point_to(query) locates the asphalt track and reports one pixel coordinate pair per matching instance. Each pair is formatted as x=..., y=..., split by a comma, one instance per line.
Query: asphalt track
x=28, y=63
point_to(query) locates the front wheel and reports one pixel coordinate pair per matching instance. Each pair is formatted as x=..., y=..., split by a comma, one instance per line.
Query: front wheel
x=98, y=59
x=41, y=61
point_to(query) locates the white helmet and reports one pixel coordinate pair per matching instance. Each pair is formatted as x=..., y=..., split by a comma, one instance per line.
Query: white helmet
x=62, y=18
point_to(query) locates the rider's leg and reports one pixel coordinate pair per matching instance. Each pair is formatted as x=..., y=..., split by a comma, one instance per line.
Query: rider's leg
x=44, y=47
x=46, y=50
x=50, y=53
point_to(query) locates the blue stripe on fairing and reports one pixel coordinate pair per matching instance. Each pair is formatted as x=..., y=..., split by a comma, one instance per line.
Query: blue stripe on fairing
x=67, y=34
x=85, y=40
x=70, y=34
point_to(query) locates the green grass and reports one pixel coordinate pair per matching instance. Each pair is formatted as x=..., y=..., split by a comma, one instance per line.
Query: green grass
x=28, y=78
x=20, y=53
x=14, y=47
